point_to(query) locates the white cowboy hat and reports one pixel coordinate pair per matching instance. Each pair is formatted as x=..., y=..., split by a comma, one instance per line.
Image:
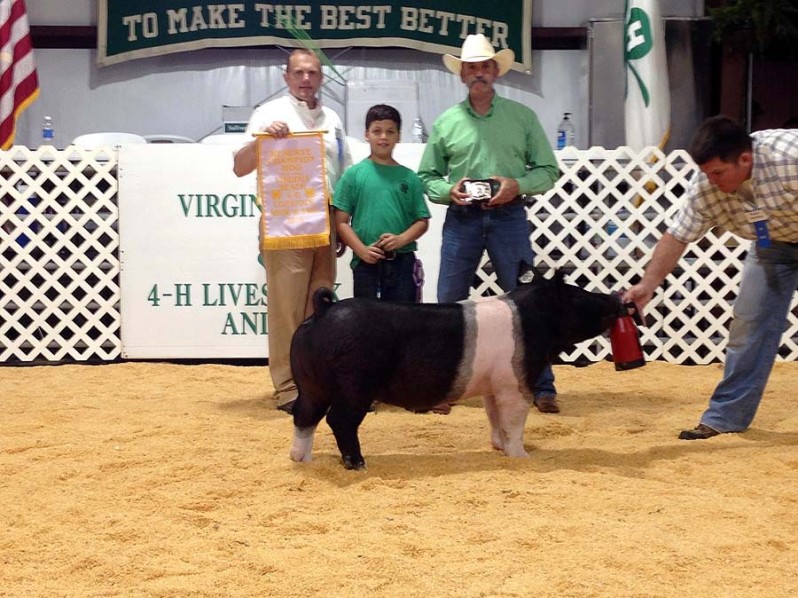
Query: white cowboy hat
x=477, y=48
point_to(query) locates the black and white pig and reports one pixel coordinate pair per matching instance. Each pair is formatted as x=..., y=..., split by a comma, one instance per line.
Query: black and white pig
x=352, y=352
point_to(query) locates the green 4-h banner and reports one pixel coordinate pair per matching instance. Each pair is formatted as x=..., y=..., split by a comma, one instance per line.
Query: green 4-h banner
x=648, y=99
x=139, y=28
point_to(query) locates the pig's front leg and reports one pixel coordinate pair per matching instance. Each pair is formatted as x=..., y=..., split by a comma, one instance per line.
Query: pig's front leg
x=512, y=409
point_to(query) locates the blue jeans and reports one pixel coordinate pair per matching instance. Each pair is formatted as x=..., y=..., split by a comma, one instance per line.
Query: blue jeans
x=390, y=280
x=769, y=280
x=504, y=232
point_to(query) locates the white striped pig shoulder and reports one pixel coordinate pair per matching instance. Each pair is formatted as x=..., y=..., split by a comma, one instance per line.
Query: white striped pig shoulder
x=352, y=352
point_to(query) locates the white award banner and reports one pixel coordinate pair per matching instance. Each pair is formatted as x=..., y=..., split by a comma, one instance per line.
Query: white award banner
x=191, y=280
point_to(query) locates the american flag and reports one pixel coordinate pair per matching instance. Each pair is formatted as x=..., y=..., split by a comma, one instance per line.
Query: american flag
x=19, y=84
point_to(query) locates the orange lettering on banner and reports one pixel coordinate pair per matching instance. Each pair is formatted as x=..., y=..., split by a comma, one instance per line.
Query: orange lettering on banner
x=292, y=188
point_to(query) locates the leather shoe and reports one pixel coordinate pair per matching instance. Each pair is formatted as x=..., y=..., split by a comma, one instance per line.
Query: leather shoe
x=287, y=407
x=547, y=403
x=700, y=432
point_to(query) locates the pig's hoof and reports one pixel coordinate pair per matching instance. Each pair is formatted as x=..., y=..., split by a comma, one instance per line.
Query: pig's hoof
x=355, y=464
x=516, y=453
x=300, y=456
x=443, y=408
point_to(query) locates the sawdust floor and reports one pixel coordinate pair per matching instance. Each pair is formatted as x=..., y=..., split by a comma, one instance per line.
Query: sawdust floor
x=152, y=479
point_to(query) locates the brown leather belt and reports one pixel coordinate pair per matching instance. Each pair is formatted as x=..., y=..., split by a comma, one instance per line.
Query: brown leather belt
x=477, y=206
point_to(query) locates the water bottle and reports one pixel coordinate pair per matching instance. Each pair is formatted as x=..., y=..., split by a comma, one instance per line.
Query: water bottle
x=48, y=132
x=418, y=130
x=566, y=134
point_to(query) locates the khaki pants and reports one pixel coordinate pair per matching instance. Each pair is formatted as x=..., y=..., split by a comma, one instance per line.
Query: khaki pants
x=292, y=276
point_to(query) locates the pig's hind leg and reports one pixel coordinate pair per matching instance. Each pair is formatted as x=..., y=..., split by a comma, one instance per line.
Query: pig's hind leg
x=302, y=447
x=344, y=417
x=307, y=415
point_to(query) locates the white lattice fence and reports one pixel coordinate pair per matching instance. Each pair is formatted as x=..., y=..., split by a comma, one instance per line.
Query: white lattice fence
x=59, y=265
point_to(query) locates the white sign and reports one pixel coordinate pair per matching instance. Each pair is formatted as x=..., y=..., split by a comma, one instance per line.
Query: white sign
x=191, y=279
x=192, y=285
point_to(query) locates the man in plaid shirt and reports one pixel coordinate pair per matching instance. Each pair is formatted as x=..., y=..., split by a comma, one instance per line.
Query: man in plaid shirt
x=748, y=185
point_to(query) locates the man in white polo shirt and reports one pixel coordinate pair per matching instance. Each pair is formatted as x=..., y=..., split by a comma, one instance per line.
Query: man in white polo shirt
x=293, y=275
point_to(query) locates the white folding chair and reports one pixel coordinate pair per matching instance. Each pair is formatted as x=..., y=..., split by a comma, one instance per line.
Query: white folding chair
x=238, y=139
x=109, y=139
x=166, y=138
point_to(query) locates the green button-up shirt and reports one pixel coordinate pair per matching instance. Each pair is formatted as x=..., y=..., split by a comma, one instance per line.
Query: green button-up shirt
x=507, y=141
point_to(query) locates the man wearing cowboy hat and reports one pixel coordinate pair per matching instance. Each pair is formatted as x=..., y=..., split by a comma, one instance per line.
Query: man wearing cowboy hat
x=487, y=137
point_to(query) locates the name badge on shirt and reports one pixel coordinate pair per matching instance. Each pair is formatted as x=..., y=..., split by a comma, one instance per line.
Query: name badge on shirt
x=760, y=221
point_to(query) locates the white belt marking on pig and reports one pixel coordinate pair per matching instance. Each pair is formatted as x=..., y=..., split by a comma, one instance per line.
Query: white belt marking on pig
x=493, y=349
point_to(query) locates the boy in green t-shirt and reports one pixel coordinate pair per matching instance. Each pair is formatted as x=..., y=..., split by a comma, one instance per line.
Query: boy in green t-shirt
x=380, y=211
